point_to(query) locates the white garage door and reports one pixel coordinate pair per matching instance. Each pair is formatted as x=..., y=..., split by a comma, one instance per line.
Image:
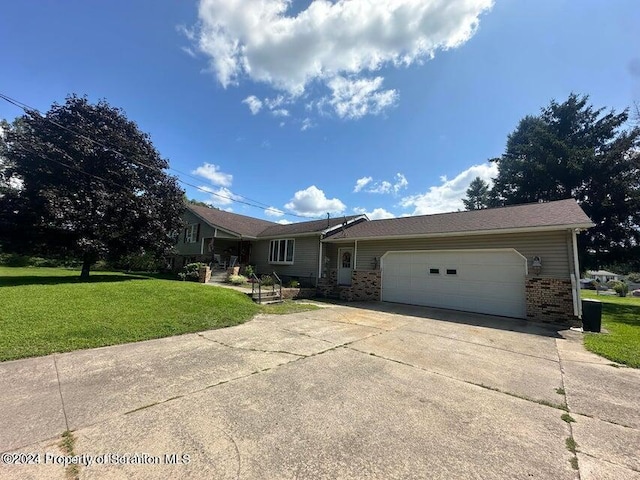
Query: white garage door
x=483, y=281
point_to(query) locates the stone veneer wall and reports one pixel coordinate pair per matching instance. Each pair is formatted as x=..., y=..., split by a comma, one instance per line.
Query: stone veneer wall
x=550, y=300
x=204, y=274
x=365, y=285
x=295, y=293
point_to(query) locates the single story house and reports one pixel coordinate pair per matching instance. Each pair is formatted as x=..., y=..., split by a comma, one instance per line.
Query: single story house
x=292, y=251
x=603, y=276
x=519, y=261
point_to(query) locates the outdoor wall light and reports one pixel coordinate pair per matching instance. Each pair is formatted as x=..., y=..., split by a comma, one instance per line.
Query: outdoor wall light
x=536, y=265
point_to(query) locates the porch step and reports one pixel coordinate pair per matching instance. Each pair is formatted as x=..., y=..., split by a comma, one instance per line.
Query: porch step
x=267, y=297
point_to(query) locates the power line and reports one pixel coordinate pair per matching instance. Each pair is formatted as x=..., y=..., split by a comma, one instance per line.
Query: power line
x=256, y=204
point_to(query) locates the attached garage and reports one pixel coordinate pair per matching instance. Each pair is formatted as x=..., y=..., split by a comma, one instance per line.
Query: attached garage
x=488, y=281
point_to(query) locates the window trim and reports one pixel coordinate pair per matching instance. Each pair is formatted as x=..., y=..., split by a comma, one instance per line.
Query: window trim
x=280, y=247
x=191, y=233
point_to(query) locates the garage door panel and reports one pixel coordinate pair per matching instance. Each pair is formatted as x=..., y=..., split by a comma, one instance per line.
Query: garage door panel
x=490, y=282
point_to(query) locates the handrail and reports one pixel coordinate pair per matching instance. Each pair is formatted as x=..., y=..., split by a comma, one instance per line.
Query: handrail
x=253, y=287
x=279, y=283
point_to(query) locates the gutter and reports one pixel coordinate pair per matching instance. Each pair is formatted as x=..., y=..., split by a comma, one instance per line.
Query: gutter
x=550, y=228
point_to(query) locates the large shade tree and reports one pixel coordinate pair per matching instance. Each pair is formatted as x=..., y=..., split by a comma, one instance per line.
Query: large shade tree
x=83, y=181
x=573, y=150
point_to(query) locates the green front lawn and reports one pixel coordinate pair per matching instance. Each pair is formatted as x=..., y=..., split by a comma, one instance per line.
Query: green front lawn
x=621, y=317
x=46, y=310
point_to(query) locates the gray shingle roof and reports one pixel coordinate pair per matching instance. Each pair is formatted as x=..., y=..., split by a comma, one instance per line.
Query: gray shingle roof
x=562, y=213
x=298, y=228
x=240, y=224
x=254, y=227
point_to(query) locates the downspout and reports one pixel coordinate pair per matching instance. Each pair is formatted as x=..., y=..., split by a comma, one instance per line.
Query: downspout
x=355, y=256
x=576, y=271
x=319, y=260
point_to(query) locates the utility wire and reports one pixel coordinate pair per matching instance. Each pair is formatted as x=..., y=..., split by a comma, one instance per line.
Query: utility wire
x=256, y=204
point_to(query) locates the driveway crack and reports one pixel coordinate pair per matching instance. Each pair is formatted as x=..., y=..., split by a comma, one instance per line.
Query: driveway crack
x=249, y=349
x=64, y=410
x=574, y=460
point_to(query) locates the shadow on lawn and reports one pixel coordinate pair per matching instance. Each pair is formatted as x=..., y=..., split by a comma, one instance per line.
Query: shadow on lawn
x=64, y=279
x=620, y=313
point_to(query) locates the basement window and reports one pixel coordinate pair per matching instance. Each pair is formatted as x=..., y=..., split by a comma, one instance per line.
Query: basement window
x=452, y=271
x=434, y=271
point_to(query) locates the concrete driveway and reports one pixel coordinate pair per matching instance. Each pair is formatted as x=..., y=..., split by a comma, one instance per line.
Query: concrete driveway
x=361, y=391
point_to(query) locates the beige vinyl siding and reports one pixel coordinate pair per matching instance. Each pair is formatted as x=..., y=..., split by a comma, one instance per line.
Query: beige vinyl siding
x=305, y=258
x=206, y=231
x=551, y=247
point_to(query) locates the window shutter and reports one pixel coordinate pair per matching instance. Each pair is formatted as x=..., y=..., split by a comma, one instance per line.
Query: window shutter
x=198, y=233
x=184, y=240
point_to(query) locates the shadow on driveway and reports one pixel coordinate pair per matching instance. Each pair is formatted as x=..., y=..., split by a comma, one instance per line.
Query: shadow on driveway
x=456, y=316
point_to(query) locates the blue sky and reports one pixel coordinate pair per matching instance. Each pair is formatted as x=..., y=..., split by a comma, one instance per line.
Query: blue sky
x=387, y=108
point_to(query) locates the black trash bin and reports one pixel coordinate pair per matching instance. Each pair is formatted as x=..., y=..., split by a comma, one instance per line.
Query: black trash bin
x=591, y=315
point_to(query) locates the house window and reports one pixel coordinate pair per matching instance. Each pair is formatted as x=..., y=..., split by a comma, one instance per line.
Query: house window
x=191, y=234
x=281, y=251
x=452, y=271
x=434, y=271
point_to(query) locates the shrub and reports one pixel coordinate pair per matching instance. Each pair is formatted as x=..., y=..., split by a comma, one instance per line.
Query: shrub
x=237, y=279
x=248, y=270
x=621, y=289
x=266, y=280
x=294, y=284
x=634, y=277
x=190, y=272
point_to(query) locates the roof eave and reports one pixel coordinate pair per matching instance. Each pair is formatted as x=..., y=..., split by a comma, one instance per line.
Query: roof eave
x=545, y=228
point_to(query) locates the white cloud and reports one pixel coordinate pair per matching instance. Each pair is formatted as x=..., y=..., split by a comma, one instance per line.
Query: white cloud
x=375, y=214
x=280, y=112
x=220, y=197
x=307, y=123
x=337, y=43
x=448, y=196
x=361, y=183
x=212, y=172
x=284, y=222
x=312, y=202
x=355, y=98
x=273, y=212
x=384, y=186
x=254, y=104
x=401, y=182
x=189, y=51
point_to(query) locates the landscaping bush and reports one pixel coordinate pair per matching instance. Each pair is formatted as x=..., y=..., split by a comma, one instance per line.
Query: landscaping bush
x=634, y=277
x=237, y=279
x=248, y=270
x=294, y=284
x=266, y=280
x=190, y=272
x=620, y=288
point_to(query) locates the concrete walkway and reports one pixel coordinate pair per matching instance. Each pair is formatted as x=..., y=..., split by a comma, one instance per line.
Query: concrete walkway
x=362, y=391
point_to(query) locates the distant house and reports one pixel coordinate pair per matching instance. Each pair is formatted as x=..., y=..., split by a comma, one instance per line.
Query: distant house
x=603, y=276
x=519, y=261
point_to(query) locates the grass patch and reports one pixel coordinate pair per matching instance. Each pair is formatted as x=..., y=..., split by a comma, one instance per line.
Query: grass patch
x=560, y=391
x=571, y=444
x=567, y=418
x=47, y=310
x=288, y=306
x=574, y=462
x=621, y=317
x=67, y=445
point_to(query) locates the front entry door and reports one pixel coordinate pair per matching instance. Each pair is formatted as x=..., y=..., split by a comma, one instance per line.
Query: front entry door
x=345, y=265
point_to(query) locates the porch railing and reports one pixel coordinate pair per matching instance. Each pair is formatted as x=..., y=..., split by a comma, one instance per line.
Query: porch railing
x=275, y=281
x=279, y=284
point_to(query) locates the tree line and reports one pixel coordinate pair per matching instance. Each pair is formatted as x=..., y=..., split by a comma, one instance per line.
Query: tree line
x=573, y=150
